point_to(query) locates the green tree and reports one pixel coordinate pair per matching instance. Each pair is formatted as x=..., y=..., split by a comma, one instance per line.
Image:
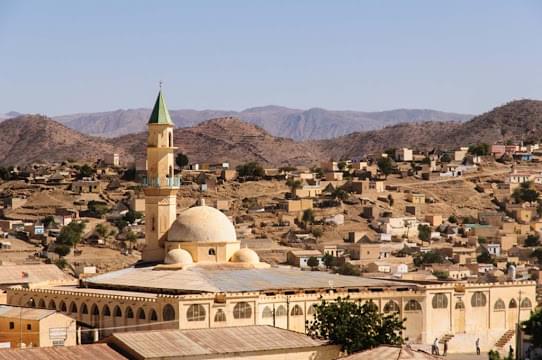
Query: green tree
x=62, y=250
x=313, y=262
x=485, y=258
x=71, y=234
x=525, y=194
x=61, y=263
x=533, y=327
x=445, y=158
x=250, y=169
x=131, y=216
x=481, y=149
x=97, y=208
x=120, y=224
x=537, y=253
x=348, y=269
x=340, y=194
x=131, y=237
x=48, y=221
x=307, y=217
x=355, y=327
x=85, y=171
x=341, y=165
x=452, y=219
x=293, y=184
x=181, y=160
x=424, y=232
x=5, y=173
x=102, y=230
x=441, y=275
x=317, y=232
x=430, y=257
x=329, y=260
x=385, y=165
x=532, y=240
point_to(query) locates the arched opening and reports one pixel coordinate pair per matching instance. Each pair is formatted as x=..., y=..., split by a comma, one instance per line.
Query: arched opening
x=413, y=305
x=168, y=313
x=212, y=252
x=311, y=310
x=171, y=172
x=129, y=313
x=513, y=304
x=195, y=312
x=84, y=309
x=220, y=316
x=31, y=303
x=526, y=303
x=141, y=314
x=499, y=305
x=63, y=307
x=440, y=301
x=242, y=310
x=391, y=306
x=280, y=311
x=106, y=311
x=41, y=304
x=117, y=312
x=73, y=308
x=296, y=311
x=170, y=139
x=478, y=299
x=267, y=312
x=52, y=305
x=154, y=315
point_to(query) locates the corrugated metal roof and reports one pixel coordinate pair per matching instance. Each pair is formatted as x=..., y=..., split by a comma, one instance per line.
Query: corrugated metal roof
x=171, y=343
x=81, y=352
x=223, y=279
x=391, y=353
x=24, y=313
x=31, y=274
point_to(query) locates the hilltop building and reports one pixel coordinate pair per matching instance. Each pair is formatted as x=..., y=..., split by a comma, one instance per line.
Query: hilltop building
x=194, y=274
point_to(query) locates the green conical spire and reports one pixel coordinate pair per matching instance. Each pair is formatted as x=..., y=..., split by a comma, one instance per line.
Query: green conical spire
x=160, y=114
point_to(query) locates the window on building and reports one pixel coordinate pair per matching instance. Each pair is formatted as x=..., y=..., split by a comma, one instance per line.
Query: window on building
x=117, y=311
x=73, y=308
x=129, y=313
x=296, y=311
x=154, y=315
x=84, y=309
x=28, y=326
x=440, y=301
x=391, y=306
x=413, y=305
x=267, y=312
x=281, y=311
x=512, y=304
x=11, y=325
x=526, y=303
x=63, y=307
x=499, y=305
x=212, y=252
x=168, y=313
x=478, y=299
x=95, y=311
x=242, y=310
x=141, y=314
x=311, y=310
x=195, y=312
x=220, y=316
x=106, y=311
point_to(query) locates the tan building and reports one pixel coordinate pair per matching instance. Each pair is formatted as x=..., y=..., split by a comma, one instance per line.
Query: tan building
x=297, y=205
x=334, y=176
x=137, y=204
x=28, y=327
x=86, y=185
x=246, y=342
x=195, y=275
x=308, y=191
x=112, y=159
x=416, y=198
x=434, y=219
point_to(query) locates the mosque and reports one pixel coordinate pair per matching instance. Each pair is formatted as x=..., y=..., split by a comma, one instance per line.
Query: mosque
x=195, y=274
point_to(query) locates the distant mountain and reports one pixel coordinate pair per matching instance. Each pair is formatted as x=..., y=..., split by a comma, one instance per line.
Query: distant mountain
x=515, y=121
x=9, y=115
x=279, y=121
x=229, y=139
x=30, y=138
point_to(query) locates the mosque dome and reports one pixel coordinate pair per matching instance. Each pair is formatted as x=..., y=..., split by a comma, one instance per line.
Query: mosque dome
x=202, y=224
x=179, y=257
x=245, y=255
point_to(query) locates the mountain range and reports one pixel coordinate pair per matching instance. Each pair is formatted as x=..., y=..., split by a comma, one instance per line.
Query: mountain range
x=31, y=138
x=312, y=124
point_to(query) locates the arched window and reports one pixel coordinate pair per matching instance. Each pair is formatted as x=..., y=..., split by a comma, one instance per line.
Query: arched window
x=267, y=313
x=220, y=316
x=311, y=310
x=117, y=312
x=63, y=306
x=195, y=312
x=141, y=314
x=478, y=299
x=31, y=303
x=129, y=313
x=106, y=311
x=170, y=139
x=84, y=309
x=440, y=301
x=168, y=313
x=526, y=303
x=296, y=311
x=280, y=311
x=94, y=310
x=413, y=305
x=52, y=305
x=460, y=305
x=512, y=304
x=41, y=304
x=499, y=305
x=154, y=315
x=242, y=310
x=391, y=306
x=371, y=305
x=73, y=308
x=212, y=252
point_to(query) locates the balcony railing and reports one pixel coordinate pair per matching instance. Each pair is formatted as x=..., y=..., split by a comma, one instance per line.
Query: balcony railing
x=162, y=181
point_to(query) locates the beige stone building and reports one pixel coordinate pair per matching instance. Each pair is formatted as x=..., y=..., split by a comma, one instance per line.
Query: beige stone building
x=195, y=275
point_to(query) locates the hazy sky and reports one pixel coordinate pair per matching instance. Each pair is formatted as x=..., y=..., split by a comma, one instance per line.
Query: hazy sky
x=468, y=56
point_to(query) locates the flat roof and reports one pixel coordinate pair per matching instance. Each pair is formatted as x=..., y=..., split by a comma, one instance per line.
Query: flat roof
x=29, y=274
x=391, y=353
x=216, y=279
x=162, y=344
x=24, y=313
x=80, y=352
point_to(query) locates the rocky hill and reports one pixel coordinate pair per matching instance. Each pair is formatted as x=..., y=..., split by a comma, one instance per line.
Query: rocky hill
x=514, y=121
x=35, y=138
x=229, y=139
x=279, y=121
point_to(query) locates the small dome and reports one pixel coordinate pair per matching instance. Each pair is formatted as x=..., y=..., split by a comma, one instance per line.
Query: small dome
x=202, y=224
x=179, y=257
x=245, y=255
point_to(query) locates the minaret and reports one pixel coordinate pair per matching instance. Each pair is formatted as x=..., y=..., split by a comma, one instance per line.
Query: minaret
x=160, y=184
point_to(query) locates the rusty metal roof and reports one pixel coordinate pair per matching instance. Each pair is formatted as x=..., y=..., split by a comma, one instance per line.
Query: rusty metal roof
x=180, y=343
x=81, y=352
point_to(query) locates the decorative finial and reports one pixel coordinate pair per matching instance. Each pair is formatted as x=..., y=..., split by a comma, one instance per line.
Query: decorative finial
x=160, y=84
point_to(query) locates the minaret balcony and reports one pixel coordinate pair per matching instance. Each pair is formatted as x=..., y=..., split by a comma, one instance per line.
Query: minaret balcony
x=162, y=181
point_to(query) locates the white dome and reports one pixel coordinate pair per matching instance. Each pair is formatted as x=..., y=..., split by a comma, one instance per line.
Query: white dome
x=202, y=224
x=178, y=256
x=245, y=255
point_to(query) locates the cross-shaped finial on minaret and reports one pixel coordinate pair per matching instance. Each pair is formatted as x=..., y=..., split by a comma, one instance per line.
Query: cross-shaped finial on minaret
x=160, y=84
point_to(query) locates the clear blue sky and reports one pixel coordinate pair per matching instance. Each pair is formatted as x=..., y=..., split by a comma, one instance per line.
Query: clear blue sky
x=59, y=57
